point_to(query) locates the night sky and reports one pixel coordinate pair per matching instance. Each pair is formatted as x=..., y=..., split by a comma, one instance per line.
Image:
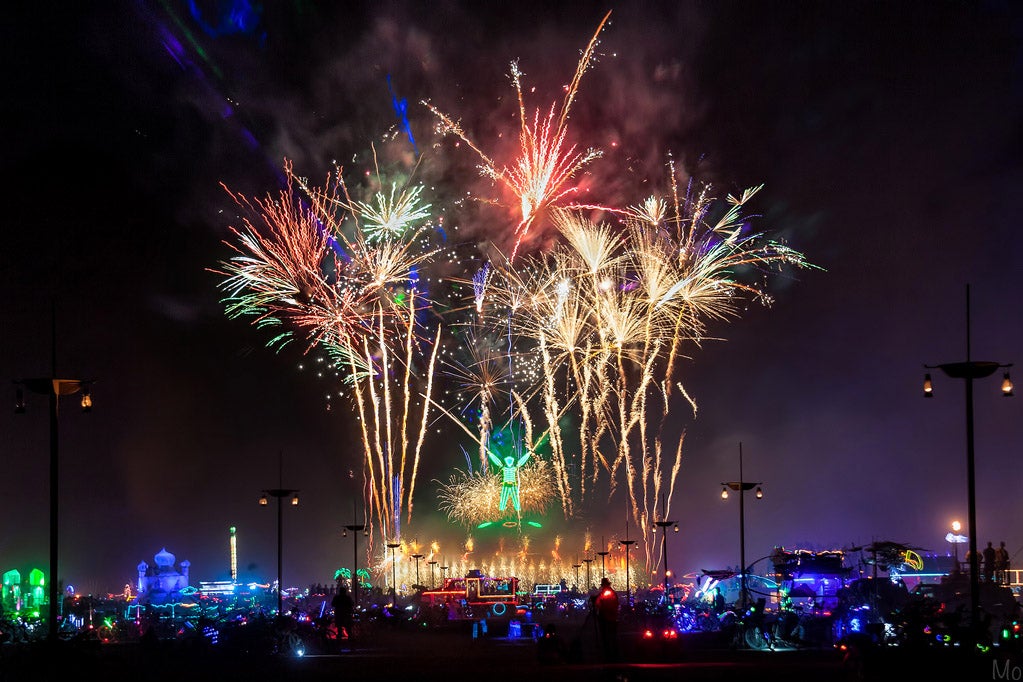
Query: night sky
x=887, y=135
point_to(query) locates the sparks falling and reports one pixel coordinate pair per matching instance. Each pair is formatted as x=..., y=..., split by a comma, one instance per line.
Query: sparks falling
x=541, y=173
x=571, y=354
x=607, y=313
x=349, y=292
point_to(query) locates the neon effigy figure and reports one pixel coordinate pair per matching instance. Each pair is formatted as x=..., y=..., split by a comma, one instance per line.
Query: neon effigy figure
x=510, y=480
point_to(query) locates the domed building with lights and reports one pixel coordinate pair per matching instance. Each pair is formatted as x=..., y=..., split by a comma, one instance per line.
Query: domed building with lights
x=163, y=583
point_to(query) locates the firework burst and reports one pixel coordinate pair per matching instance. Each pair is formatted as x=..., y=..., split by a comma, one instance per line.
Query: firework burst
x=574, y=350
x=471, y=499
x=350, y=292
x=608, y=312
x=541, y=173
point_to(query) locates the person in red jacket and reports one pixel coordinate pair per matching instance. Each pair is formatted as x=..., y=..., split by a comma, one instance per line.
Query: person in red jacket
x=606, y=607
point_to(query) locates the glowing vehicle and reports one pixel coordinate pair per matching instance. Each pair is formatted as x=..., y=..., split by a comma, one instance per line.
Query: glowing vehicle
x=474, y=596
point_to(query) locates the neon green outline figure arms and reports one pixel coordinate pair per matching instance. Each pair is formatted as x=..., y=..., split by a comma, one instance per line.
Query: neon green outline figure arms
x=509, y=480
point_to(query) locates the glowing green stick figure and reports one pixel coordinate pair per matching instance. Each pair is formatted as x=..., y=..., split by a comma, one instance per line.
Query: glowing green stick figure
x=509, y=479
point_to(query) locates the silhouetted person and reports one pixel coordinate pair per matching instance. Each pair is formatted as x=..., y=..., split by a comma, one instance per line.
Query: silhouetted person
x=719, y=601
x=989, y=562
x=344, y=611
x=606, y=606
x=1002, y=564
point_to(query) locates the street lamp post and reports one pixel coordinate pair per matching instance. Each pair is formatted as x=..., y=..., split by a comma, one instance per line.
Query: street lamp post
x=279, y=494
x=577, y=567
x=443, y=574
x=54, y=388
x=394, y=591
x=603, y=569
x=628, y=590
x=741, y=486
x=356, y=528
x=968, y=371
x=417, y=557
x=627, y=543
x=588, y=561
x=433, y=582
x=664, y=524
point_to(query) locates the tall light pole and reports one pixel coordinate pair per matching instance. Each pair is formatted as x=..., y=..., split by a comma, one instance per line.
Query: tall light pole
x=603, y=568
x=279, y=494
x=417, y=557
x=54, y=388
x=741, y=486
x=588, y=561
x=664, y=524
x=443, y=574
x=356, y=528
x=577, y=567
x=233, y=539
x=627, y=544
x=394, y=592
x=968, y=371
x=433, y=582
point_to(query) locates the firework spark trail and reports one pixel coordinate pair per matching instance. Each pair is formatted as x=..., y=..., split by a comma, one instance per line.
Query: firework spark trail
x=544, y=166
x=396, y=453
x=384, y=218
x=394, y=490
x=470, y=499
x=378, y=485
x=275, y=277
x=542, y=171
x=552, y=407
x=600, y=320
x=407, y=396
x=600, y=413
x=553, y=413
x=654, y=260
x=390, y=217
x=423, y=422
x=584, y=387
x=479, y=285
x=610, y=312
x=408, y=375
x=305, y=272
x=473, y=498
x=651, y=466
x=484, y=374
x=371, y=475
